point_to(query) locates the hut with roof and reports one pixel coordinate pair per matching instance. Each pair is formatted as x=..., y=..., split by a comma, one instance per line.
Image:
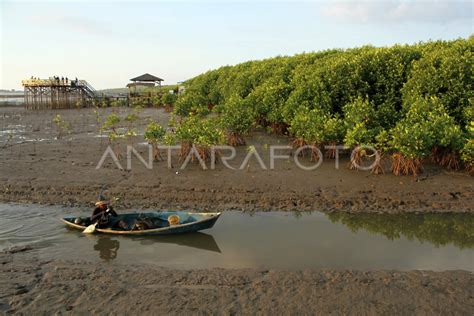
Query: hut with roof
x=144, y=89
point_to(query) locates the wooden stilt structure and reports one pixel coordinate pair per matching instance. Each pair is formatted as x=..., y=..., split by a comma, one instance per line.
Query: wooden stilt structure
x=137, y=91
x=55, y=93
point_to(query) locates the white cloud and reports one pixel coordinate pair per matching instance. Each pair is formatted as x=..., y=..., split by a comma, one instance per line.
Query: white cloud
x=396, y=11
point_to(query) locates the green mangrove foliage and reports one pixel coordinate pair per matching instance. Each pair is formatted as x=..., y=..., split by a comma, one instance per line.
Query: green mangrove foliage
x=62, y=127
x=169, y=100
x=426, y=127
x=362, y=127
x=445, y=71
x=314, y=128
x=118, y=128
x=467, y=153
x=112, y=127
x=236, y=119
x=411, y=102
x=155, y=133
x=200, y=133
x=360, y=123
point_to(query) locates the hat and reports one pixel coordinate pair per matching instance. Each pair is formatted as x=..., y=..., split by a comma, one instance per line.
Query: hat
x=102, y=198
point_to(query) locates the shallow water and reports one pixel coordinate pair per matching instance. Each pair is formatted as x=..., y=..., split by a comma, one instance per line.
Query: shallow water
x=265, y=240
x=13, y=101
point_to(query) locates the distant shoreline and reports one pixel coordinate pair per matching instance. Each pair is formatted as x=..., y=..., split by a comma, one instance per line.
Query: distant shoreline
x=12, y=96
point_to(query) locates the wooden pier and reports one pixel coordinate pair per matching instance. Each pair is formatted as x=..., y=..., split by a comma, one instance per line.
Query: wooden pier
x=58, y=93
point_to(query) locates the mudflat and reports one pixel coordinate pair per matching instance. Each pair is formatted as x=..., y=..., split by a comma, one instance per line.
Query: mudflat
x=60, y=286
x=36, y=167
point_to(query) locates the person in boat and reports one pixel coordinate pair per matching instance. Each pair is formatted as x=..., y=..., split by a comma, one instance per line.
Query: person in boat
x=103, y=214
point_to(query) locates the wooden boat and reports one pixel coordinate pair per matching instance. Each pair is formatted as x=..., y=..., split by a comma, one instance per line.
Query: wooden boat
x=158, y=223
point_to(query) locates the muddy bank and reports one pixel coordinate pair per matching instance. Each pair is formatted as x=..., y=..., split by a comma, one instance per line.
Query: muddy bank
x=36, y=167
x=45, y=287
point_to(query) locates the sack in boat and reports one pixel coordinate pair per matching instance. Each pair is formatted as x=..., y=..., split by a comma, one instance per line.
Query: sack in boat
x=142, y=224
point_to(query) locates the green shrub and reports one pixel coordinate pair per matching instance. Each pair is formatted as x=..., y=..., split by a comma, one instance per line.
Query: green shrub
x=190, y=102
x=154, y=133
x=427, y=126
x=316, y=127
x=360, y=123
x=169, y=99
x=445, y=71
x=307, y=126
x=194, y=130
x=236, y=117
x=467, y=152
x=112, y=124
x=362, y=96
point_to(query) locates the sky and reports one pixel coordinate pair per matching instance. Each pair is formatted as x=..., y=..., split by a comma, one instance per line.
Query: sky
x=109, y=42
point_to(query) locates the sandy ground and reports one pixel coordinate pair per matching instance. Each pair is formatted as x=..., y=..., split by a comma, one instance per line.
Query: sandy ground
x=31, y=286
x=41, y=169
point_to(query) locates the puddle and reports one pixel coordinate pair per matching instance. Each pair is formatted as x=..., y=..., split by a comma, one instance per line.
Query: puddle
x=264, y=240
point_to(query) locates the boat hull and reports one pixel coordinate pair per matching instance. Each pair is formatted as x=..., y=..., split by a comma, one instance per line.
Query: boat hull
x=189, y=222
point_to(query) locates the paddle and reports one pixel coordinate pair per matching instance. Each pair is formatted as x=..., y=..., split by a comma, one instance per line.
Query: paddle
x=91, y=228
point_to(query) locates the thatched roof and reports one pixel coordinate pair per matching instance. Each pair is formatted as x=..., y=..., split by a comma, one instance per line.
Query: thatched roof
x=147, y=78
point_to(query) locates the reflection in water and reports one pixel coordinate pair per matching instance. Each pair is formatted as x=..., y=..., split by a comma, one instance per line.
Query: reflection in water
x=199, y=241
x=437, y=229
x=107, y=247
